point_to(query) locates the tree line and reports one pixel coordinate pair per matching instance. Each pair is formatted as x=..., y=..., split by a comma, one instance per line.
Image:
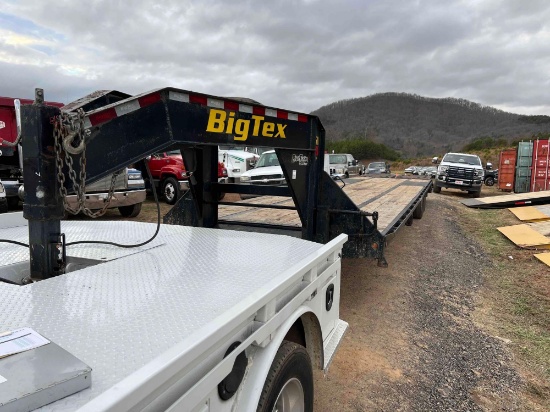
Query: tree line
x=362, y=149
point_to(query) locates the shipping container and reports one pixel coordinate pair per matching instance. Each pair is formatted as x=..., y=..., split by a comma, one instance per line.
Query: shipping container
x=507, y=170
x=523, y=167
x=540, y=179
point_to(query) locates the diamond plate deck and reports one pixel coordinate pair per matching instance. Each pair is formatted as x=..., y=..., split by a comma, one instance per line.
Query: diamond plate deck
x=121, y=314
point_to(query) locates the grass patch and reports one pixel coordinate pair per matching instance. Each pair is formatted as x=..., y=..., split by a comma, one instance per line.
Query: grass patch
x=520, y=307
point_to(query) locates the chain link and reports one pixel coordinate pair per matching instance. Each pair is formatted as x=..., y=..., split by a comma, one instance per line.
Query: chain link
x=68, y=128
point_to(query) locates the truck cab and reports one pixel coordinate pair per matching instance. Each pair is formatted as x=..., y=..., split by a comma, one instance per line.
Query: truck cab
x=237, y=161
x=336, y=165
x=460, y=171
x=169, y=175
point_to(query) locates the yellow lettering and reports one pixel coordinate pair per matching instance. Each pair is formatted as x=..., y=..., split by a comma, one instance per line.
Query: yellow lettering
x=257, y=121
x=268, y=129
x=241, y=129
x=281, y=131
x=216, y=121
x=230, y=122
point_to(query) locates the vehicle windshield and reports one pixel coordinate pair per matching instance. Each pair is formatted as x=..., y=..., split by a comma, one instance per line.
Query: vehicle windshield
x=267, y=159
x=376, y=165
x=337, y=159
x=462, y=158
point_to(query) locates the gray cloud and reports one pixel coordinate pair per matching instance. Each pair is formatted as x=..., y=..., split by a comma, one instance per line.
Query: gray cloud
x=294, y=54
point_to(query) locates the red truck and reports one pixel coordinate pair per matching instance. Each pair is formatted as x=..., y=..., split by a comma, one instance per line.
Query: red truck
x=170, y=177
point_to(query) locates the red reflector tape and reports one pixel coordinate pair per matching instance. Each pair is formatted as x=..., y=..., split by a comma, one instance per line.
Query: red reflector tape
x=302, y=118
x=149, y=99
x=519, y=203
x=282, y=115
x=231, y=106
x=258, y=111
x=103, y=116
x=193, y=98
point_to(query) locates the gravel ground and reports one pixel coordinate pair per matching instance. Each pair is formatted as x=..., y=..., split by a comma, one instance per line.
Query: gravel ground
x=412, y=343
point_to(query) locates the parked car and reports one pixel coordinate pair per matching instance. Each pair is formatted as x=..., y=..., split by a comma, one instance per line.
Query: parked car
x=411, y=170
x=378, y=167
x=430, y=171
x=491, y=175
x=354, y=167
x=3, y=200
x=268, y=171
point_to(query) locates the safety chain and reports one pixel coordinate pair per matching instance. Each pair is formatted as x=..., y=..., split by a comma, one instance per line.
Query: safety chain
x=68, y=128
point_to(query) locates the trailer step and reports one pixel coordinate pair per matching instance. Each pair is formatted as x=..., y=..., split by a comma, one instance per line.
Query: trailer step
x=333, y=341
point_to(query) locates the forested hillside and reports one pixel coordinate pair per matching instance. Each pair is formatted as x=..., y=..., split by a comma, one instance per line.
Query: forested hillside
x=420, y=126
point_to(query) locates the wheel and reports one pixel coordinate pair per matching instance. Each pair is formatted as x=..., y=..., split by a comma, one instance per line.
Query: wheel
x=347, y=175
x=437, y=189
x=477, y=193
x=289, y=384
x=130, y=211
x=221, y=196
x=419, y=211
x=170, y=190
x=13, y=202
x=3, y=207
x=489, y=181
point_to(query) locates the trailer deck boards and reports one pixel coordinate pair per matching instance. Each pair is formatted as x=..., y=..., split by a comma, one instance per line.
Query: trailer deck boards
x=120, y=315
x=391, y=198
x=511, y=200
x=531, y=213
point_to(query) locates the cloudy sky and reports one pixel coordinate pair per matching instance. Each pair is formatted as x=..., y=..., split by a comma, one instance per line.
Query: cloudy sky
x=293, y=54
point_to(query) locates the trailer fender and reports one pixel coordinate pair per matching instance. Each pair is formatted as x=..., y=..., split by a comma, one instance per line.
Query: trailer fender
x=260, y=359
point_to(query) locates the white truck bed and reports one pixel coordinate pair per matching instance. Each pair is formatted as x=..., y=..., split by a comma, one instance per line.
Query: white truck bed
x=180, y=296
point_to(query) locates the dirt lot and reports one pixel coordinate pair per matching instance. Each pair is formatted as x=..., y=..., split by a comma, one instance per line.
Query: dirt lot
x=426, y=333
x=459, y=321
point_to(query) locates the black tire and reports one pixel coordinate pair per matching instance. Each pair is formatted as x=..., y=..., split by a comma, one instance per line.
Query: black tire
x=489, y=181
x=13, y=202
x=130, y=211
x=170, y=190
x=437, y=189
x=290, y=367
x=221, y=196
x=347, y=175
x=477, y=193
x=3, y=207
x=419, y=211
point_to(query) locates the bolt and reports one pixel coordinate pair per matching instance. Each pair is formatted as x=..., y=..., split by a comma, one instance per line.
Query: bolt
x=38, y=96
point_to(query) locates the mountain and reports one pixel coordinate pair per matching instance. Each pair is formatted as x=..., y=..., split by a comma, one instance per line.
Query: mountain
x=422, y=126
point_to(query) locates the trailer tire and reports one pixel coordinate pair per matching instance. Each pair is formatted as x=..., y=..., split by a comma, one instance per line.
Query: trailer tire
x=437, y=189
x=290, y=379
x=170, y=190
x=130, y=211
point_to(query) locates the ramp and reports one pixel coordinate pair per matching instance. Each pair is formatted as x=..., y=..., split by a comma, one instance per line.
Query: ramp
x=506, y=201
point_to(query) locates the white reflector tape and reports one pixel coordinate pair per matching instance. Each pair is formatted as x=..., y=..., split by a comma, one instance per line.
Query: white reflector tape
x=271, y=112
x=292, y=116
x=87, y=123
x=218, y=104
x=180, y=97
x=245, y=108
x=127, y=107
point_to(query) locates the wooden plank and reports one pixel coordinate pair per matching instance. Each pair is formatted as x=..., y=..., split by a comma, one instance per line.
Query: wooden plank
x=525, y=236
x=530, y=213
x=544, y=258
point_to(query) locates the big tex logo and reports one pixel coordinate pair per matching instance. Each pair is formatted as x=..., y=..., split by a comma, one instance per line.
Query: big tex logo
x=220, y=121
